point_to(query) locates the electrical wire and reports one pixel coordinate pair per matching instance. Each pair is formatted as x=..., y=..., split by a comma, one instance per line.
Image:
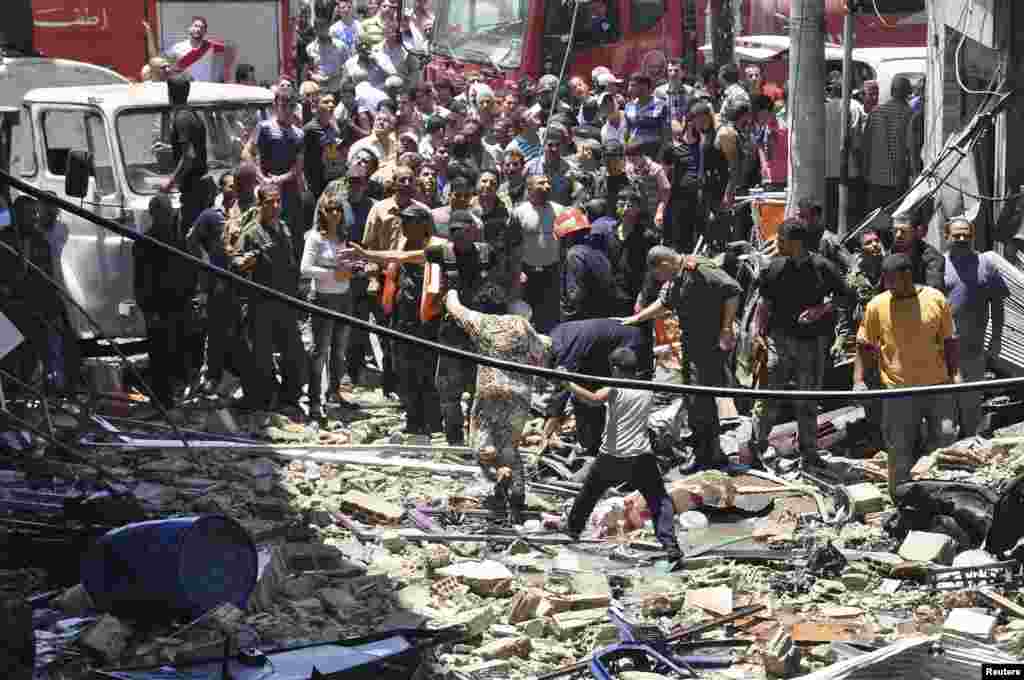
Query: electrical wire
x=565, y=59
x=492, y=362
x=956, y=63
x=88, y=317
x=884, y=22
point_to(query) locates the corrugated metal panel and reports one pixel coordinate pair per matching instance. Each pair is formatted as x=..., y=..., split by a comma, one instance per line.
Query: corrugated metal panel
x=1008, y=357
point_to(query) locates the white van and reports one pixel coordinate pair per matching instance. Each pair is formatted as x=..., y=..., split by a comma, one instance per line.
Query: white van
x=885, y=63
x=124, y=128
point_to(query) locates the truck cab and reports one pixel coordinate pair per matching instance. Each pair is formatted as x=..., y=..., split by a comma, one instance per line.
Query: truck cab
x=107, y=149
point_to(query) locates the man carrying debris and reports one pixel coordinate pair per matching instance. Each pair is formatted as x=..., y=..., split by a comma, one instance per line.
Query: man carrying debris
x=502, y=404
x=908, y=330
x=625, y=454
x=704, y=298
x=793, y=320
x=974, y=286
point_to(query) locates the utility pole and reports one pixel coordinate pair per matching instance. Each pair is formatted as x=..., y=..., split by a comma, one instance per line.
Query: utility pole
x=844, y=150
x=806, y=102
x=722, y=37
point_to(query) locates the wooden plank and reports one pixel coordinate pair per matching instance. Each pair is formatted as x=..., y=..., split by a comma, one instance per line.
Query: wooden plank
x=833, y=631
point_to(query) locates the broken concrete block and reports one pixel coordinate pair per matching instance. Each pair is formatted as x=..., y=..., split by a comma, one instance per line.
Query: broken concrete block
x=506, y=648
x=437, y=555
x=866, y=498
x=524, y=605
x=923, y=546
x=717, y=600
x=376, y=508
x=477, y=621
x=551, y=605
x=504, y=630
x=971, y=623
x=535, y=628
x=590, y=601
x=855, y=580
x=569, y=624
x=483, y=578
x=108, y=637
x=393, y=542
x=74, y=601
x=589, y=583
x=498, y=669
x=338, y=600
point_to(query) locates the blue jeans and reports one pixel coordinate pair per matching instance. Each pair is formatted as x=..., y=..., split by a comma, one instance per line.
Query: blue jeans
x=330, y=339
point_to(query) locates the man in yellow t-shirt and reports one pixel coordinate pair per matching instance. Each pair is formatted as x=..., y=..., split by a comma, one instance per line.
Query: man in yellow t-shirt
x=908, y=330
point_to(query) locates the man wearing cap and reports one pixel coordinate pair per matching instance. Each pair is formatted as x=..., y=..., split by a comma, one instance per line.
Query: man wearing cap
x=704, y=299
x=586, y=275
x=552, y=164
x=908, y=332
x=646, y=115
x=611, y=180
x=794, y=320
x=466, y=268
x=413, y=365
x=535, y=219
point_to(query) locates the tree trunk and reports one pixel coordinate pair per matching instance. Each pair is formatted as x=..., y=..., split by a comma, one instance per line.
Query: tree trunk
x=722, y=22
x=806, y=102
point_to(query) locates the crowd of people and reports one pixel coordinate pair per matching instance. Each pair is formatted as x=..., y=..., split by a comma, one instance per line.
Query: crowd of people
x=551, y=226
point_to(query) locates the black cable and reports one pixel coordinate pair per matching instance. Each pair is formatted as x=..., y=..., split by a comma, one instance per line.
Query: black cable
x=536, y=371
x=99, y=329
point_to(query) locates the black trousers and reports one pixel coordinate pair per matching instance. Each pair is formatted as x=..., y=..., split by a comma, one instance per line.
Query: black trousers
x=542, y=294
x=686, y=220
x=274, y=326
x=641, y=472
x=415, y=370
x=589, y=425
x=705, y=367
x=358, y=339
x=169, y=358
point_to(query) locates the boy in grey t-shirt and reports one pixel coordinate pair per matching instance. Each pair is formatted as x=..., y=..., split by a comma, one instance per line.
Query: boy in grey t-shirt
x=625, y=454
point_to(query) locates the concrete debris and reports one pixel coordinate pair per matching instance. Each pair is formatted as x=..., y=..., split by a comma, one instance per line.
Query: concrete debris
x=483, y=578
x=923, y=546
x=349, y=547
x=108, y=637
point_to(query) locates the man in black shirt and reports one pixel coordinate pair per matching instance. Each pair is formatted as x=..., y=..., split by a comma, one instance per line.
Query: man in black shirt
x=265, y=251
x=927, y=264
x=627, y=252
x=611, y=180
x=794, y=320
x=322, y=139
x=188, y=146
x=704, y=299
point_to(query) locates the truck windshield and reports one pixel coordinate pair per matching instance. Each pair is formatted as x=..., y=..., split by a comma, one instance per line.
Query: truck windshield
x=487, y=32
x=146, y=141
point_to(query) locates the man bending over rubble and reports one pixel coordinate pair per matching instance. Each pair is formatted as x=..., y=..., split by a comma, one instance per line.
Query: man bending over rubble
x=502, y=404
x=625, y=454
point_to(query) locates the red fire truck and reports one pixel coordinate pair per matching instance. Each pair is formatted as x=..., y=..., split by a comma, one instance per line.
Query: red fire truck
x=511, y=39
x=110, y=33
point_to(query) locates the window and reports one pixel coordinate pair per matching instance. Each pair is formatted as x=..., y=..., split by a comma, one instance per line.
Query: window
x=63, y=132
x=646, y=14
x=23, y=146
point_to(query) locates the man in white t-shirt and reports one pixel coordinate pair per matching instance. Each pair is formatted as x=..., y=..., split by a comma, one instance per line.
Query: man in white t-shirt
x=201, y=58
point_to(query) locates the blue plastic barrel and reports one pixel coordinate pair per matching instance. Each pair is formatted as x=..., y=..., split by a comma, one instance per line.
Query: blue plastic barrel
x=172, y=568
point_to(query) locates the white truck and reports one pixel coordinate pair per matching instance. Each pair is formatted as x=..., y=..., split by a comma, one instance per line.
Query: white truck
x=124, y=130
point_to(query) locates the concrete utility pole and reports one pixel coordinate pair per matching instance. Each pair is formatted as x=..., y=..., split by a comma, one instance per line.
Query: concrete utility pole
x=806, y=102
x=844, y=154
x=722, y=33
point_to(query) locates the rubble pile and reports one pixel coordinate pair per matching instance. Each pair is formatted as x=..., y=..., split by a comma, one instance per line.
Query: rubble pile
x=791, y=576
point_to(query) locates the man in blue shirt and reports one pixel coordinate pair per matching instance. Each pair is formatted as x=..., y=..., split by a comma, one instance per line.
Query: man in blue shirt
x=646, y=115
x=976, y=292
